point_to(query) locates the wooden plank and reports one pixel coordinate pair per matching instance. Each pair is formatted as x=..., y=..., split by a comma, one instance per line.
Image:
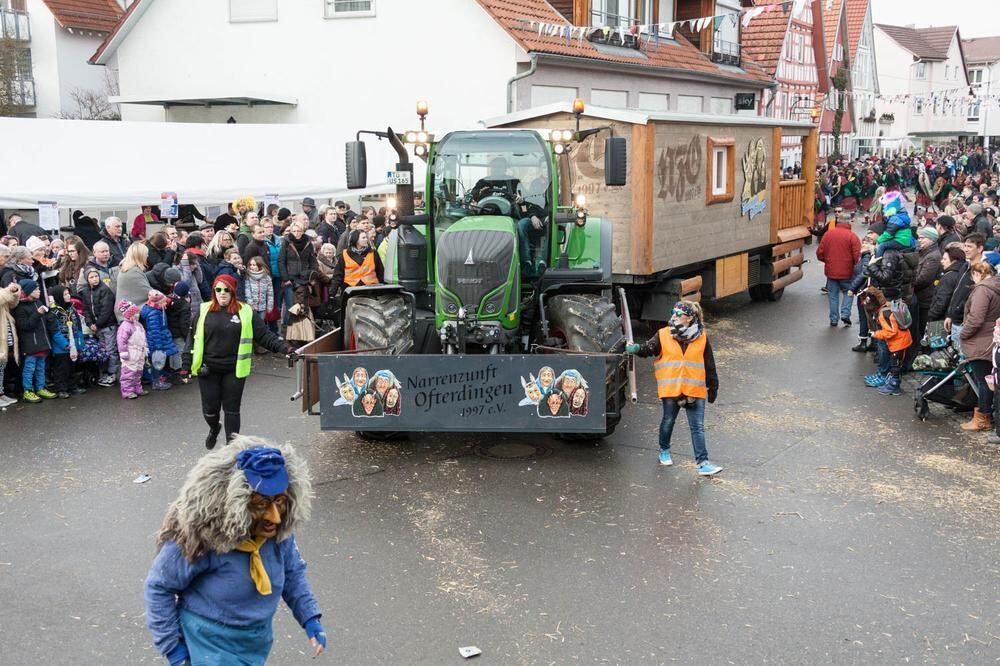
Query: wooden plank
x=691, y=284
x=581, y=12
x=791, y=278
x=641, y=236
x=785, y=248
x=776, y=211
x=794, y=233
x=809, y=148
x=326, y=343
x=784, y=264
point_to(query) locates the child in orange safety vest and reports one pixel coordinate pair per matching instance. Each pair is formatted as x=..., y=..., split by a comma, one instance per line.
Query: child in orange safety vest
x=685, y=378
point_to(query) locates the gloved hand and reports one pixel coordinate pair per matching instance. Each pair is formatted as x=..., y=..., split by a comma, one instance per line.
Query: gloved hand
x=317, y=637
x=179, y=655
x=632, y=347
x=712, y=395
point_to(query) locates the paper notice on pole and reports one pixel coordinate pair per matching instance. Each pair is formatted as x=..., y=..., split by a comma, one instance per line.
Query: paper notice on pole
x=48, y=215
x=270, y=199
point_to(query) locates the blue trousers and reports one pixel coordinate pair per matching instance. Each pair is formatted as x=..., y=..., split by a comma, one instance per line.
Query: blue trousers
x=33, y=373
x=696, y=423
x=839, y=308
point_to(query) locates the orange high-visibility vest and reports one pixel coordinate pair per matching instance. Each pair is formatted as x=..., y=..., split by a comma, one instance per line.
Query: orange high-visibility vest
x=680, y=373
x=355, y=273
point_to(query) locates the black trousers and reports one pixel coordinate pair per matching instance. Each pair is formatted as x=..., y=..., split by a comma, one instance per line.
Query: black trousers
x=60, y=369
x=222, y=390
x=979, y=371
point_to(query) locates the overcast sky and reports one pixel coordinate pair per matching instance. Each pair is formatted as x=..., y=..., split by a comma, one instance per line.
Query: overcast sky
x=975, y=18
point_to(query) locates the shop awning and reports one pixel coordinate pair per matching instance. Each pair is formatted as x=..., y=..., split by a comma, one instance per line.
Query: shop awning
x=206, y=101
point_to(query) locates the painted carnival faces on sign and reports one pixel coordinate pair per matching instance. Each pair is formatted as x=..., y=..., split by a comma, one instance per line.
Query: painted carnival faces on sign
x=556, y=397
x=370, y=397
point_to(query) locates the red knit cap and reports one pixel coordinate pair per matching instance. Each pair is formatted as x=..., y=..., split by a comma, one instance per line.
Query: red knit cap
x=227, y=280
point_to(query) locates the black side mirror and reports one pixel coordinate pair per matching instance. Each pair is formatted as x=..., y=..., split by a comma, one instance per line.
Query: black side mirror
x=615, y=161
x=357, y=165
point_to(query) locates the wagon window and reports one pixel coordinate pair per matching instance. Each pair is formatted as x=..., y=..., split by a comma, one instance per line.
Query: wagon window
x=721, y=169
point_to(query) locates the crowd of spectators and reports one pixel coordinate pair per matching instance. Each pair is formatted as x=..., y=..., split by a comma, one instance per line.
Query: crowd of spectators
x=920, y=278
x=65, y=298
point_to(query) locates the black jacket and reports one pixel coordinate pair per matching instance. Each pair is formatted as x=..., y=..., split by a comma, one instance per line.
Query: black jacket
x=945, y=289
x=164, y=256
x=894, y=274
x=956, y=306
x=24, y=230
x=179, y=317
x=859, y=279
x=328, y=233
x=222, y=340
x=652, y=348
x=981, y=225
x=294, y=265
x=948, y=239
x=98, y=305
x=926, y=276
x=118, y=247
x=255, y=249
x=32, y=336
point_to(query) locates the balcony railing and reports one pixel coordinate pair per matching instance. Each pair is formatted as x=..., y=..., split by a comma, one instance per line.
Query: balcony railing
x=619, y=33
x=725, y=53
x=15, y=25
x=22, y=93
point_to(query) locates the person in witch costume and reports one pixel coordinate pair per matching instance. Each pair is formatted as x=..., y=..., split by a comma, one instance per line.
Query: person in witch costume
x=227, y=555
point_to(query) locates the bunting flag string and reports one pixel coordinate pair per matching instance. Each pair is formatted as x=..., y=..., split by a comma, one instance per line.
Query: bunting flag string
x=666, y=28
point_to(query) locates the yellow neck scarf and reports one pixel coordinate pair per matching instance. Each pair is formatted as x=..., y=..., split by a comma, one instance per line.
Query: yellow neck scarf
x=257, y=571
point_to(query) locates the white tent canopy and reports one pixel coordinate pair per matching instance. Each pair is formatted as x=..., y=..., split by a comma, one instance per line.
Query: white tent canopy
x=87, y=164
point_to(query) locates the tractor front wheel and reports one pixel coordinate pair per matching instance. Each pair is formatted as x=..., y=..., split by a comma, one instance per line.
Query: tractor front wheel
x=590, y=323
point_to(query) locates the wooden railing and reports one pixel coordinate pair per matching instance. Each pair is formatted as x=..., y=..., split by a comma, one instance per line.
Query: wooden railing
x=794, y=204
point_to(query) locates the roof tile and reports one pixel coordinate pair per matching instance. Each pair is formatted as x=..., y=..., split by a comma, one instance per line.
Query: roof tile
x=511, y=14
x=925, y=43
x=982, y=49
x=765, y=35
x=856, y=11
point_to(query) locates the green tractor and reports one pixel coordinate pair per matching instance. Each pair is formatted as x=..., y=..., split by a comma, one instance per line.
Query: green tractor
x=502, y=266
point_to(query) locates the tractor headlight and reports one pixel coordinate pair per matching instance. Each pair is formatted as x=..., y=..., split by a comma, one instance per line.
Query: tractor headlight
x=559, y=149
x=581, y=218
x=422, y=137
x=420, y=150
x=581, y=201
x=411, y=137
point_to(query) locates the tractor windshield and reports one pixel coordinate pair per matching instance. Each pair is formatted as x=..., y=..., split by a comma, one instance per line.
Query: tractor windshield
x=490, y=173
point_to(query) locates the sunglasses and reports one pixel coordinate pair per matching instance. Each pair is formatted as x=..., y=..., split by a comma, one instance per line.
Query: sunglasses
x=222, y=290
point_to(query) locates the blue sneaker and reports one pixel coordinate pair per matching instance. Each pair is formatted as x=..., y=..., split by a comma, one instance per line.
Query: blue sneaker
x=708, y=469
x=665, y=458
x=876, y=380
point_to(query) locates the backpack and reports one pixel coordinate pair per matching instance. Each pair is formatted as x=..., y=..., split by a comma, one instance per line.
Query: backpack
x=899, y=310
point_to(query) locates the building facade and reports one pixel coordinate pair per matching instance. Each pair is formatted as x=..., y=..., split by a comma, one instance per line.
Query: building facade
x=982, y=57
x=864, y=78
x=788, y=42
x=924, y=84
x=835, y=38
x=53, y=41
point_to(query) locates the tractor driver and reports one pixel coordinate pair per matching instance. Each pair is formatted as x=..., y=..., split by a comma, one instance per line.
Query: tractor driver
x=497, y=179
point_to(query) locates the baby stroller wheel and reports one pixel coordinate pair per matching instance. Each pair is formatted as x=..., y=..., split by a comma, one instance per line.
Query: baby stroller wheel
x=921, y=408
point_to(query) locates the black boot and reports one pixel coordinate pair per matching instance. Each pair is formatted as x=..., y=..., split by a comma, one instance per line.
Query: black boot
x=232, y=421
x=862, y=345
x=213, y=430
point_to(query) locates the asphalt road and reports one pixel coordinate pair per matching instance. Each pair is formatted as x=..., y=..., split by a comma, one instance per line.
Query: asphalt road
x=841, y=531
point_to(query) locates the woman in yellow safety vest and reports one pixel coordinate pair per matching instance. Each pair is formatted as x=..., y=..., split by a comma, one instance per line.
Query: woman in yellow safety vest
x=685, y=378
x=221, y=342
x=358, y=264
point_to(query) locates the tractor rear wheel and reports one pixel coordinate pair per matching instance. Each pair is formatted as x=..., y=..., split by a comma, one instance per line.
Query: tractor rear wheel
x=373, y=322
x=588, y=323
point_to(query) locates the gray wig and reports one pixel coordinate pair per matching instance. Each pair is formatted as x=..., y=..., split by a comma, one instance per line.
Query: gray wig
x=212, y=512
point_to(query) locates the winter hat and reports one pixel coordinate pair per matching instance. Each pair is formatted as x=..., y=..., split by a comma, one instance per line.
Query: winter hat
x=928, y=232
x=90, y=269
x=946, y=221
x=892, y=203
x=181, y=289
x=28, y=286
x=283, y=214
x=227, y=280
x=34, y=243
x=127, y=309
x=264, y=469
x=224, y=221
x=155, y=297
x=976, y=209
x=171, y=276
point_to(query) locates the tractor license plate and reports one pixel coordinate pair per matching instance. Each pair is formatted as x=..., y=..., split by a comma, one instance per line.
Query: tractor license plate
x=399, y=178
x=434, y=393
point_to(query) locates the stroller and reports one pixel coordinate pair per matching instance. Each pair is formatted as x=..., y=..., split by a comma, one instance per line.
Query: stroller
x=948, y=375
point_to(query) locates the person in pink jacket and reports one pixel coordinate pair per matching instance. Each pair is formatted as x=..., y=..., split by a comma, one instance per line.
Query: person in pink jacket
x=132, y=350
